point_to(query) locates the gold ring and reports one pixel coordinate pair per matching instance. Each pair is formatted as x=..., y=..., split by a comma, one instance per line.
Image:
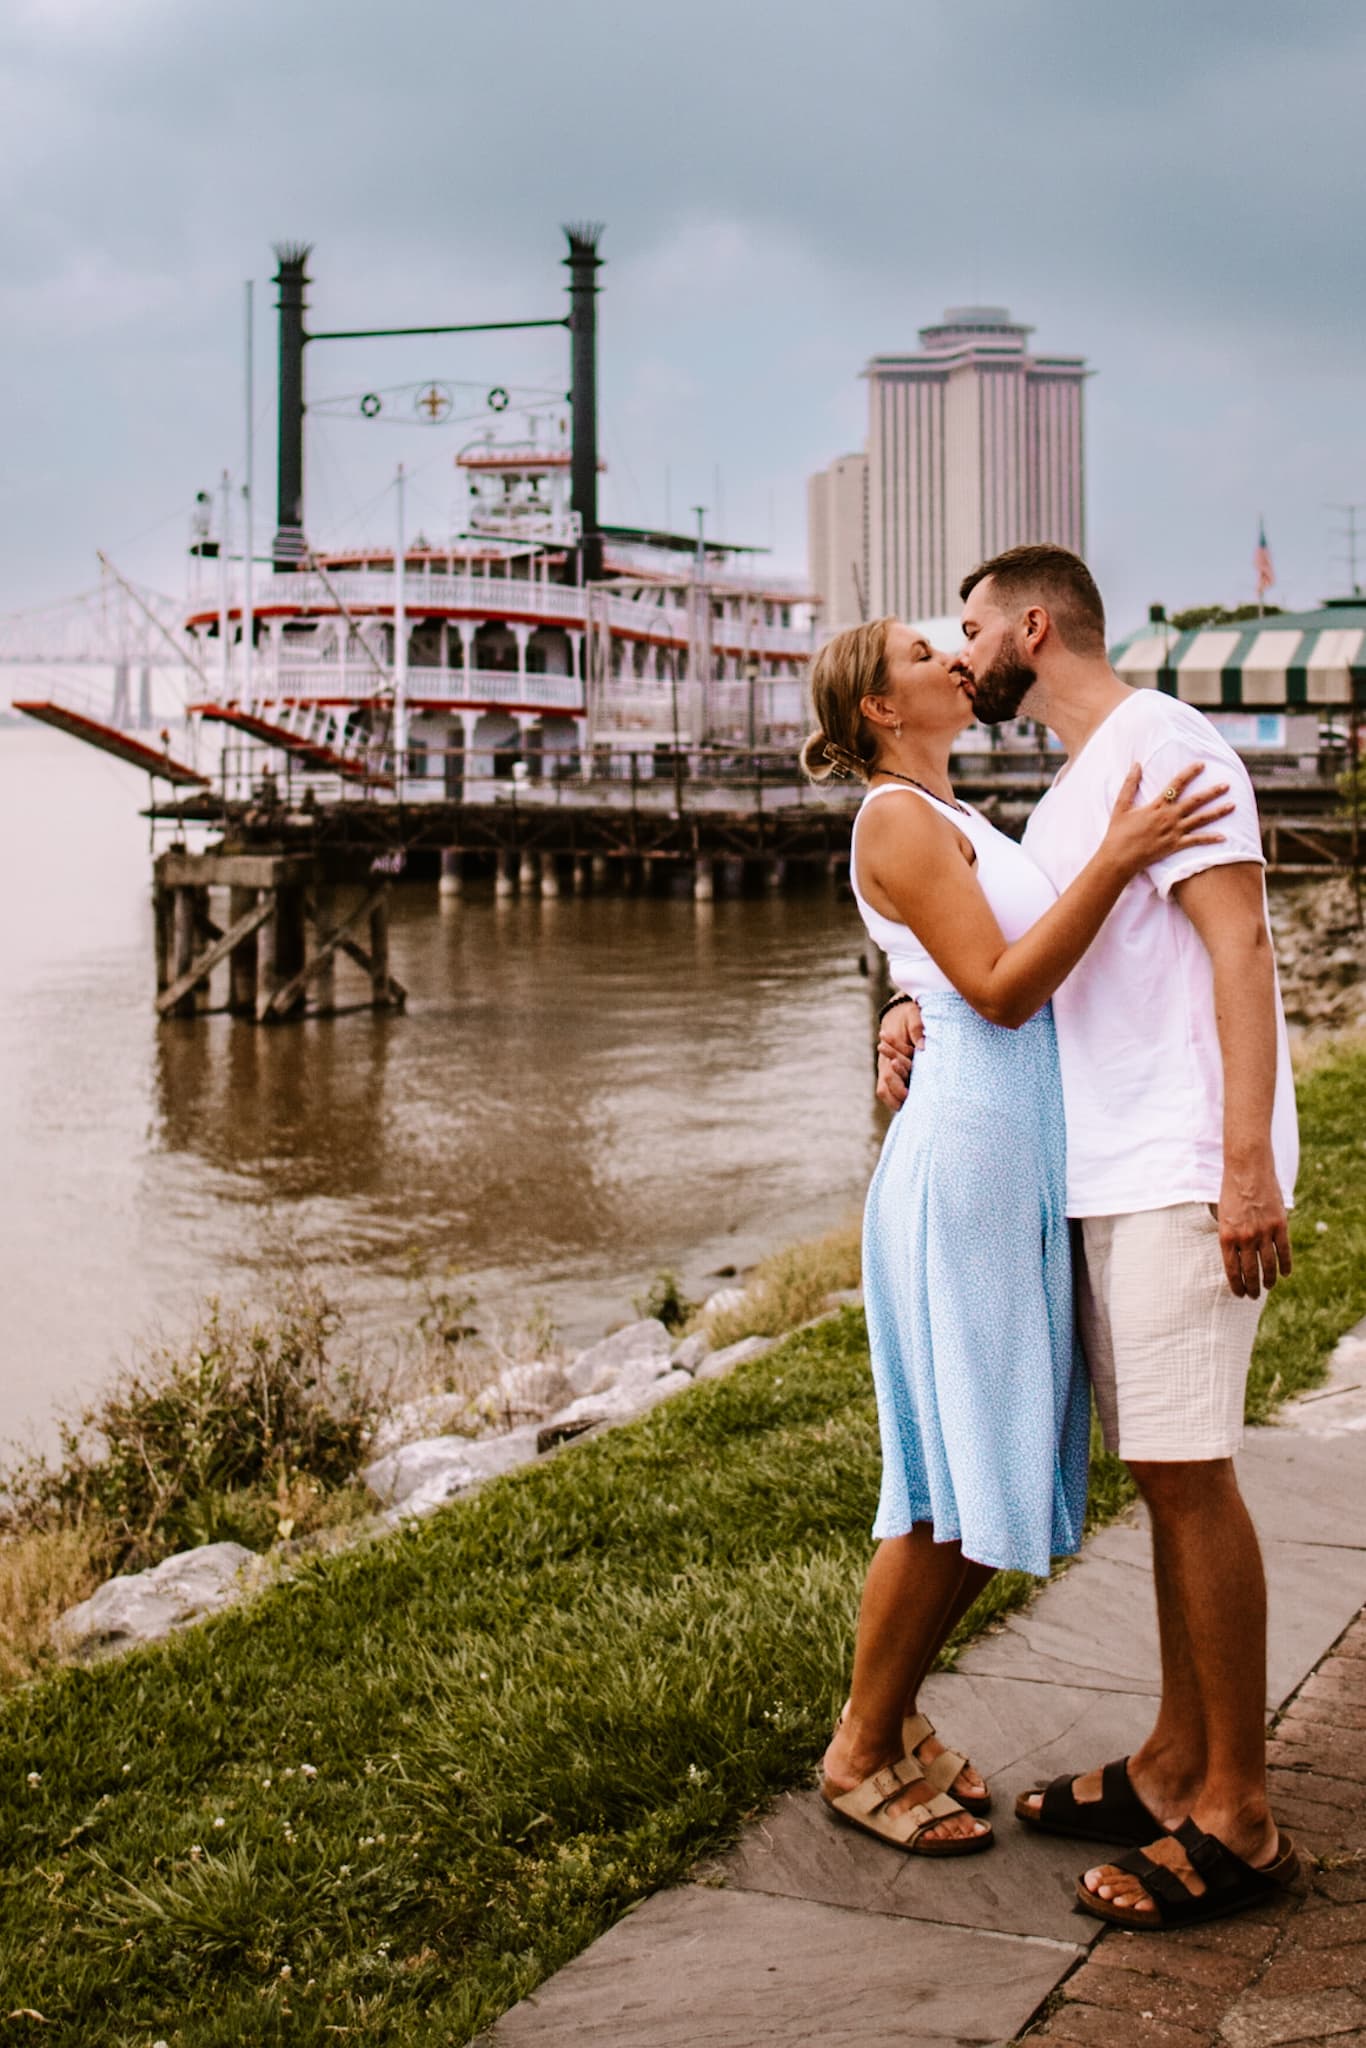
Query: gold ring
x=1169, y=796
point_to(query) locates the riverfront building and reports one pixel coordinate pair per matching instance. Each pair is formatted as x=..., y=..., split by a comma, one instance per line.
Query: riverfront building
x=975, y=443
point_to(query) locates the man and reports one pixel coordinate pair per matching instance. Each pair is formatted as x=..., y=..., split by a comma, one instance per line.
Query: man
x=1182, y=1152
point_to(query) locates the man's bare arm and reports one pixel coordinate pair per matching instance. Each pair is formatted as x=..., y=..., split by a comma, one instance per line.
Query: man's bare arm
x=1225, y=904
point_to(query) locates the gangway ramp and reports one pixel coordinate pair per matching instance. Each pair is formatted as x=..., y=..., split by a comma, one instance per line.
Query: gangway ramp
x=124, y=746
x=313, y=753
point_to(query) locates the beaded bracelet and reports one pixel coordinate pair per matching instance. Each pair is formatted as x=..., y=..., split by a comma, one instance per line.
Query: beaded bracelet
x=891, y=1004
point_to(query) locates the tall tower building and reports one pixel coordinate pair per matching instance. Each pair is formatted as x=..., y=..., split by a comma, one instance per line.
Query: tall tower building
x=974, y=445
x=837, y=539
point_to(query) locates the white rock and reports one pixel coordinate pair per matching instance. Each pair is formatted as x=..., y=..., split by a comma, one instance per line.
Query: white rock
x=139, y=1607
x=721, y=1362
x=632, y=1396
x=723, y=1301
x=430, y=1415
x=525, y=1393
x=642, y=1348
x=444, y=1465
x=689, y=1354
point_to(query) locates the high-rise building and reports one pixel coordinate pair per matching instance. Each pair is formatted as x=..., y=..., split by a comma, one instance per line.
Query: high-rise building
x=974, y=445
x=837, y=539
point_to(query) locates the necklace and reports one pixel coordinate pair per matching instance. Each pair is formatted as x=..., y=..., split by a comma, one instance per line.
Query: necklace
x=951, y=801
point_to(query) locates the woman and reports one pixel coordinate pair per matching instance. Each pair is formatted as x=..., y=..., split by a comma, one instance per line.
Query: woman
x=983, y=1403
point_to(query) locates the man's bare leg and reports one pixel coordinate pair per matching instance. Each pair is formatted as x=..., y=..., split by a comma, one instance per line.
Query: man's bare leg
x=1167, y=1768
x=1214, y=1569
x=910, y=1591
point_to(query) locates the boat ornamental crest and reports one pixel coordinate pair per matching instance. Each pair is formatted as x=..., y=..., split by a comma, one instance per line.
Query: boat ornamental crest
x=433, y=404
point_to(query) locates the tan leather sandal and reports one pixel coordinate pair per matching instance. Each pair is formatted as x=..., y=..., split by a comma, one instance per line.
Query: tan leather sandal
x=942, y=1770
x=869, y=1807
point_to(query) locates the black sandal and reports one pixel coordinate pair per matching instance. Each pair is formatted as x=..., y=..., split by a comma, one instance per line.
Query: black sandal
x=1119, y=1815
x=1231, y=1885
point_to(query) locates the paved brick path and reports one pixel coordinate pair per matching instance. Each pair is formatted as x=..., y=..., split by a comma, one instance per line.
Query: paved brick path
x=1293, y=1974
x=808, y=1935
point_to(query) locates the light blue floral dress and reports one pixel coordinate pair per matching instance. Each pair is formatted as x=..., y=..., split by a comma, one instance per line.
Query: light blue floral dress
x=982, y=1395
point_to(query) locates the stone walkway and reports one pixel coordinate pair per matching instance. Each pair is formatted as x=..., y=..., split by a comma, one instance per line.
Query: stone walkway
x=813, y=1936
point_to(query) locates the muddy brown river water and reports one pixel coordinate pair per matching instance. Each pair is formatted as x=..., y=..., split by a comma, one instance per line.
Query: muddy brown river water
x=581, y=1093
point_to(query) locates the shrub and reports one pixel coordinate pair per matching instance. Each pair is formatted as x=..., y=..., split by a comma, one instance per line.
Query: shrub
x=667, y=1302
x=231, y=1437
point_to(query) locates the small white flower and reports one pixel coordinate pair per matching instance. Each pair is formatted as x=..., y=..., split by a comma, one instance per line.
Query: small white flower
x=345, y=1870
x=1320, y=1227
x=265, y=1784
x=288, y=1771
x=219, y=1821
x=35, y=1778
x=161, y=2044
x=308, y=1770
x=195, y=1852
x=126, y=1769
x=286, y=1971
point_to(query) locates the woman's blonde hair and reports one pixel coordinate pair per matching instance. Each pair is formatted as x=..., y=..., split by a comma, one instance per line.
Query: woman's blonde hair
x=848, y=668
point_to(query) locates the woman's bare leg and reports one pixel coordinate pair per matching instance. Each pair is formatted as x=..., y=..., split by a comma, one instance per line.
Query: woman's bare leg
x=912, y=1586
x=973, y=1579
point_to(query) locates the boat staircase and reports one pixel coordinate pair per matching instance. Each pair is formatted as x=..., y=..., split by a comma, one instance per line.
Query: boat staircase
x=86, y=718
x=313, y=736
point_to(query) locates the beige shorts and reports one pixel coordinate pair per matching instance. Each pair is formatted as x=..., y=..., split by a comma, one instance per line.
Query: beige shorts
x=1168, y=1344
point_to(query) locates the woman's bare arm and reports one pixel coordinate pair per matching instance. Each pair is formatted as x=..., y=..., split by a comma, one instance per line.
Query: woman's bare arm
x=913, y=857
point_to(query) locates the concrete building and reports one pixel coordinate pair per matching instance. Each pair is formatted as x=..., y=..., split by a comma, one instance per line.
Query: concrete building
x=837, y=539
x=974, y=444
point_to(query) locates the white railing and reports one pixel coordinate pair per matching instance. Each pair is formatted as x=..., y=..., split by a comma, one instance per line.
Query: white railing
x=328, y=682
x=508, y=597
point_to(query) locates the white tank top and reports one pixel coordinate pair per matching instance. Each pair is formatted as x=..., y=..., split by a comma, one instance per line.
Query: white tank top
x=1018, y=892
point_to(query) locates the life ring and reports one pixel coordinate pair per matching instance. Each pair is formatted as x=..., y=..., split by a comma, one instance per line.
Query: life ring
x=498, y=399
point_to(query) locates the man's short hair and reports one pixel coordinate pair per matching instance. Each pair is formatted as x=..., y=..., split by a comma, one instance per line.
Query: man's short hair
x=1043, y=573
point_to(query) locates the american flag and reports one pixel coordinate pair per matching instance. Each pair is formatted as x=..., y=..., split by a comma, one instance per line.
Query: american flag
x=1261, y=561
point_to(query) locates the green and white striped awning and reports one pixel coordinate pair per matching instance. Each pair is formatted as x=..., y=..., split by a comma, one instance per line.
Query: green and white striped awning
x=1291, y=661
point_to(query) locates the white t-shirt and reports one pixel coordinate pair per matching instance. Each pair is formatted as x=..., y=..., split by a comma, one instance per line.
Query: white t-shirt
x=1141, y=1069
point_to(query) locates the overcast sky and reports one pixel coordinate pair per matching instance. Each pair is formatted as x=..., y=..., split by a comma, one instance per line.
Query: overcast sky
x=789, y=186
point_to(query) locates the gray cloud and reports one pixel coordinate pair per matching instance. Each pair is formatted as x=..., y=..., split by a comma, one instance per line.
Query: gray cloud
x=789, y=188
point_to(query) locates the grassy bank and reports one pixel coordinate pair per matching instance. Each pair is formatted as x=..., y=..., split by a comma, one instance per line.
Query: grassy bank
x=390, y=1797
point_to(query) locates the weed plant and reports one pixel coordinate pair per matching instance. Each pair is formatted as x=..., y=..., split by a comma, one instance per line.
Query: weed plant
x=232, y=1437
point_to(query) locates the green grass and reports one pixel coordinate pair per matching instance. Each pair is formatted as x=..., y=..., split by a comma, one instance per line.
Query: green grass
x=522, y=1716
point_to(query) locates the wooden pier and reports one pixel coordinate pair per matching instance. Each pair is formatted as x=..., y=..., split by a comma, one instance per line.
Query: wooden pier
x=305, y=884
x=284, y=930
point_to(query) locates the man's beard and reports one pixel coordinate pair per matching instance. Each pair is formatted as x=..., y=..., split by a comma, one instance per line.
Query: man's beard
x=998, y=693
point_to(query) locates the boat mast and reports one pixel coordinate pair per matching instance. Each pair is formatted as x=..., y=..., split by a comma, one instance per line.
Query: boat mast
x=248, y=506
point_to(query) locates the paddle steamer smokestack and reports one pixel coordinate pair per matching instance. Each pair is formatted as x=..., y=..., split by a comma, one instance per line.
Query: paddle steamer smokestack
x=288, y=547
x=583, y=262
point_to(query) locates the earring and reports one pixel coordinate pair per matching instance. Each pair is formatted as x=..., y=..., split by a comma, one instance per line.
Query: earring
x=897, y=728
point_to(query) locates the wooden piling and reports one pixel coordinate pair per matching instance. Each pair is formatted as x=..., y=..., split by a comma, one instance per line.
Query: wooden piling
x=287, y=948
x=163, y=923
x=244, y=958
x=324, y=975
x=182, y=950
x=505, y=878
x=549, y=875
x=451, y=881
x=529, y=873
x=704, y=879
x=379, y=952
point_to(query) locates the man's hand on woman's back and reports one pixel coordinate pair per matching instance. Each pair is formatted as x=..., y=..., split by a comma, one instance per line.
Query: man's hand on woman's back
x=900, y=1036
